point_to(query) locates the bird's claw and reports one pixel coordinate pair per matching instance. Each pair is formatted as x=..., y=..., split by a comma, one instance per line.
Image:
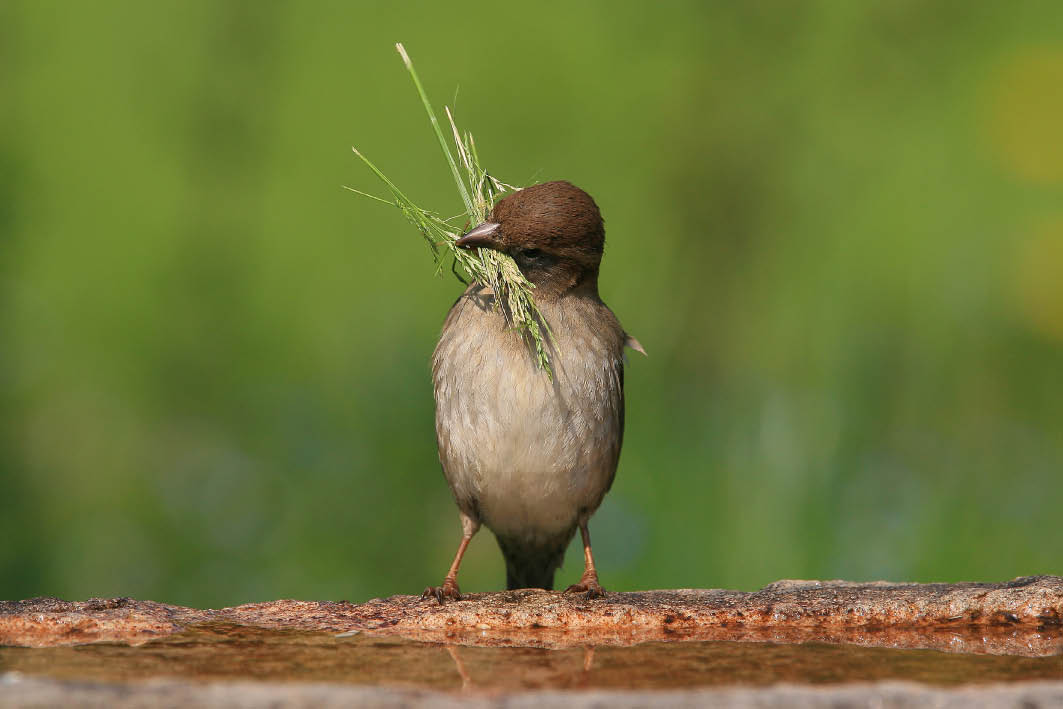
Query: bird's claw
x=588, y=587
x=448, y=591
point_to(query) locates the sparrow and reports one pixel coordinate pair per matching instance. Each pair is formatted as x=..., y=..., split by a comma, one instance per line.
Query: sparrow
x=527, y=455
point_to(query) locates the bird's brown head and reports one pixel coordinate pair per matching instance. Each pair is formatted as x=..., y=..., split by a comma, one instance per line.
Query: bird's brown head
x=553, y=231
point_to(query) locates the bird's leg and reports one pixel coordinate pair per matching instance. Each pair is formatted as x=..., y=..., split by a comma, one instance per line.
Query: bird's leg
x=589, y=581
x=466, y=678
x=449, y=589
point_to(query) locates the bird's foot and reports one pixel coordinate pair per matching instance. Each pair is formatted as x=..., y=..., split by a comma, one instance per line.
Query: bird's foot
x=448, y=591
x=587, y=585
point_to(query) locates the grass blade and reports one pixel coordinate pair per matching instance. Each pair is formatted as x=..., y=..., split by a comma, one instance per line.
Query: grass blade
x=479, y=191
x=435, y=127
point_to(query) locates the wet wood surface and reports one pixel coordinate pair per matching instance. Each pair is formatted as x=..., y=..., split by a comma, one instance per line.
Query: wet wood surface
x=1019, y=617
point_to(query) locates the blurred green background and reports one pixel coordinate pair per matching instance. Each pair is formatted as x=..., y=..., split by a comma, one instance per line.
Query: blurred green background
x=836, y=227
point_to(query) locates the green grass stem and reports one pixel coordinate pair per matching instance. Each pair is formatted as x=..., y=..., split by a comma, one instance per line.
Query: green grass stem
x=479, y=191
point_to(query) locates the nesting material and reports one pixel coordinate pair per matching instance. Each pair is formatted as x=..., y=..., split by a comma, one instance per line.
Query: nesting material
x=479, y=192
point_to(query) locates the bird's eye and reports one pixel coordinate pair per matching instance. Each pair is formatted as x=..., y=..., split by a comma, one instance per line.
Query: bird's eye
x=531, y=253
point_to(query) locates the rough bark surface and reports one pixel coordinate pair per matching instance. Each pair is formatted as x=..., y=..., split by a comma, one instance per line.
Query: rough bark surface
x=1022, y=616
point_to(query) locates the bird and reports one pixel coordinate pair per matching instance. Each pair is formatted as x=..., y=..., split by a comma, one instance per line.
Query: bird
x=526, y=454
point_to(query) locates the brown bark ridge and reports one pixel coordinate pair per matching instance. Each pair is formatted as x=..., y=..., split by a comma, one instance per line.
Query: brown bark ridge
x=1023, y=616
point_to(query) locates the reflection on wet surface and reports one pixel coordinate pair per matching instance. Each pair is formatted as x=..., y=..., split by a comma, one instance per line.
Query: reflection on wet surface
x=229, y=652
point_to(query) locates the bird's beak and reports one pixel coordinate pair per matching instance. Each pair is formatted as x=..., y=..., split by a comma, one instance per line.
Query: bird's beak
x=480, y=237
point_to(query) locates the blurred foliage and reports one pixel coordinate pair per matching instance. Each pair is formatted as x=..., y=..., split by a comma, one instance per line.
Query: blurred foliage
x=836, y=227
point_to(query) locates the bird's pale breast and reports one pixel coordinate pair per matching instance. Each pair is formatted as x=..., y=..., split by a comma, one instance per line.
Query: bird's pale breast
x=525, y=454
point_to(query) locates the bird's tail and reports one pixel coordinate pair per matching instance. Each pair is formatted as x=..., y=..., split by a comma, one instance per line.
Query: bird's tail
x=532, y=564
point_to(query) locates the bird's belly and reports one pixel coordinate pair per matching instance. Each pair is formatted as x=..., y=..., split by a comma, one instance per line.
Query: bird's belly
x=526, y=482
x=531, y=453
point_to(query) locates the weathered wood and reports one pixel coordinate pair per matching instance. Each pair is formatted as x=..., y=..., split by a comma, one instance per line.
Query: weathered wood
x=1022, y=617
